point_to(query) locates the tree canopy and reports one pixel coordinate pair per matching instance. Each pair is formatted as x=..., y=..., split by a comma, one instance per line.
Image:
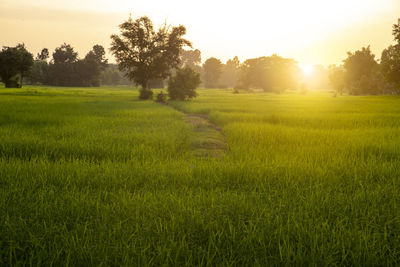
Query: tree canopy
x=212, y=70
x=14, y=61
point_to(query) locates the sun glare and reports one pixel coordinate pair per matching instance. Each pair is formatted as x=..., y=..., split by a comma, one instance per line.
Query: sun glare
x=307, y=69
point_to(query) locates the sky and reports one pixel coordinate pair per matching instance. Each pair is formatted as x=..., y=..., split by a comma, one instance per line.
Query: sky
x=310, y=31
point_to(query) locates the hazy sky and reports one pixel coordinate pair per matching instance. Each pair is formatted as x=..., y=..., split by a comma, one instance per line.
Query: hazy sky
x=310, y=31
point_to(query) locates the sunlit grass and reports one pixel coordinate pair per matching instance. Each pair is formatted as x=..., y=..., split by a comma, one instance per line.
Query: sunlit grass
x=94, y=176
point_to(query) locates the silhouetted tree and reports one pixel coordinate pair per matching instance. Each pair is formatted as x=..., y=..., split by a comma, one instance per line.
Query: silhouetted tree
x=64, y=54
x=183, y=84
x=212, y=70
x=362, y=72
x=390, y=60
x=99, y=54
x=90, y=69
x=14, y=62
x=62, y=69
x=145, y=54
x=67, y=70
x=43, y=55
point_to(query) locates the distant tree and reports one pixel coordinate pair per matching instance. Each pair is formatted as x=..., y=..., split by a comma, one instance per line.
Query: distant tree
x=43, y=55
x=272, y=74
x=183, y=84
x=390, y=61
x=99, y=54
x=115, y=77
x=62, y=70
x=190, y=58
x=212, y=70
x=230, y=71
x=337, y=79
x=362, y=72
x=90, y=69
x=14, y=61
x=64, y=54
x=390, y=64
x=145, y=54
x=40, y=72
x=40, y=68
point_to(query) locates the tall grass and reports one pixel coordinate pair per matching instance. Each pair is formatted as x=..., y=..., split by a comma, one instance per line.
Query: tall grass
x=95, y=177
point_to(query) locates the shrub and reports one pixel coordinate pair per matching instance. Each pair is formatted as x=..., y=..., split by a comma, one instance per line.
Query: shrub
x=161, y=97
x=183, y=84
x=145, y=94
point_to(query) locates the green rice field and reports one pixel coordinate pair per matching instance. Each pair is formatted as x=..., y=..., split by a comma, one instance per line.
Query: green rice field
x=97, y=177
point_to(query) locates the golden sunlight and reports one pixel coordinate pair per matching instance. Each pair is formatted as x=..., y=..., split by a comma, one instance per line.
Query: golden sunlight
x=307, y=69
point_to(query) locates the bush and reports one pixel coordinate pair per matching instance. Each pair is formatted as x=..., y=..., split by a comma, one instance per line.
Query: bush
x=161, y=97
x=145, y=94
x=183, y=84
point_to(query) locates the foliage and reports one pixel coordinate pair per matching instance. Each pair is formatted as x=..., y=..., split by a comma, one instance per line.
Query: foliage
x=67, y=70
x=390, y=65
x=98, y=54
x=14, y=61
x=43, y=55
x=390, y=61
x=212, y=70
x=183, y=84
x=230, y=71
x=145, y=94
x=191, y=59
x=396, y=32
x=111, y=76
x=145, y=54
x=362, y=72
x=40, y=72
x=272, y=74
x=337, y=79
x=161, y=97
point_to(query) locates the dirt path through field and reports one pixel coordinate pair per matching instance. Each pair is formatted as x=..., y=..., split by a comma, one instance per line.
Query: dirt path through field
x=207, y=139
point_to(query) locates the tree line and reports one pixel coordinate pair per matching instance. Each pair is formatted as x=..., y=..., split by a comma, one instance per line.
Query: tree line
x=152, y=57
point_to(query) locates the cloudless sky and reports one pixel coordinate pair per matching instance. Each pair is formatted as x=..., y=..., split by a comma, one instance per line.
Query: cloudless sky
x=310, y=31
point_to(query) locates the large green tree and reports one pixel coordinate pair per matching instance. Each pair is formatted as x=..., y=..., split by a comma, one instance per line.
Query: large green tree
x=15, y=62
x=145, y=54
